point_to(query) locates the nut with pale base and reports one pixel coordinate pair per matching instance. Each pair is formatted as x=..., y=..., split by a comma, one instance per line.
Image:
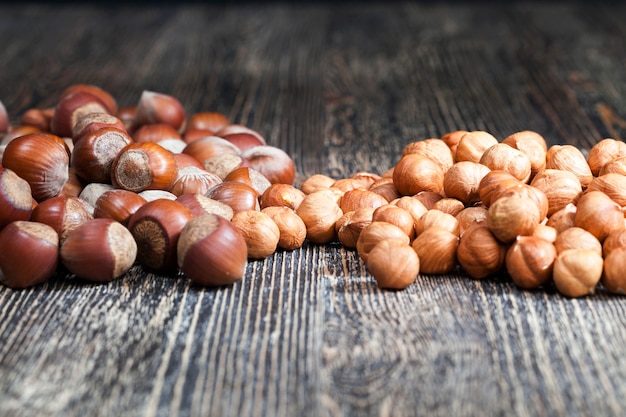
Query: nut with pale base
x=42, y=160
x=393, y=263
x=99, y=250
x=29, y=255
x=16, y=200
x=156, y=227
x=144, y=166
x=211, y=251
x=62, y=214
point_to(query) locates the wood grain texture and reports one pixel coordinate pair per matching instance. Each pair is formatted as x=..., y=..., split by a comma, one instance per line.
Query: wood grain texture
x=307, y=333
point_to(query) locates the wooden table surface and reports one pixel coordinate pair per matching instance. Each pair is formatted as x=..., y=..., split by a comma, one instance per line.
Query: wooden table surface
x=341, y=88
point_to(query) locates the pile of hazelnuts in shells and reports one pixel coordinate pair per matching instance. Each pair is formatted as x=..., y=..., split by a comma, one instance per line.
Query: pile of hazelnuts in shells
x=96, y=189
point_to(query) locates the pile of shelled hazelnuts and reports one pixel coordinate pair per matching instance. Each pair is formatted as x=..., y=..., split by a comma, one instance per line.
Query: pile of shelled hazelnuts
x=97, y=188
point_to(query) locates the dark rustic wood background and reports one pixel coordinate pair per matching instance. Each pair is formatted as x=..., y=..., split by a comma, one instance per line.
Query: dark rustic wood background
x=341, y=88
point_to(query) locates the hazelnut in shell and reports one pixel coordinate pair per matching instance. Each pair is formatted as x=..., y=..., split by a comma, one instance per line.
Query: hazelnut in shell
x=480, y=254
x=99, y=250
x=29, y=255
x=614, y=276
x=211, y=251
x=436, y=248
x=16, y=200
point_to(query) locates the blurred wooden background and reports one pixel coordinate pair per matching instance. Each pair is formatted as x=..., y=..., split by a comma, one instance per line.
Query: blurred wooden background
x=342, y=88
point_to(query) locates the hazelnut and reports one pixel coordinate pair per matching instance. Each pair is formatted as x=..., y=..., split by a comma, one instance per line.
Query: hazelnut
x=211, y=121
x=156, y=227
x=529, y=261
x=349, y=226
x=223, y=164
x=386, y=188
x=569, y=158
x=193, y=180
x=563, y=219
x=577, y=272
x=243, y=139
x=208, y=147
x=495, y=183
x=479, y=253
x=560, y=187
x=93, y=191
x=156, y=133
x=292, y=228
x=393, y=264
x=577, y=238
x=237, y=195
x=319, y=211
x=42, y=160
x=62, y=214
x=251, y=177
x=471, y=217
x=611, y=184
x=156, y=108
x=547, y=233
x=614, y=276
x=235, y=129
x=29, y=254
x=259, y=231
x=437, y=218
x=16, y=200
x=144, y=166
x=598, y=214
x=104, y=96
x=357, y=198
x=533, y=145
x=200, y=204
x=525, y=191
x=411, y=204
x=435, y=149
x=436, y=248
x=473, y=144
x=376, y=232
x=506, y=158
x=428, y=198
x=397, y=216
x=183, y=160
x=99, y=250
x=211, y=251
x=415, y=173
x=281, y=195
x=93, y=155
x=272, y=162
x=118, y=205
x=151, y=195
x=451, y=139
x=616, y=166
x=512, y=216
x=316, y=182
x=91, y=122
x=462, y=181
x=70, y=108
x=4, y=119
x=451, y=206
x=614, y=240
x=604, y=152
